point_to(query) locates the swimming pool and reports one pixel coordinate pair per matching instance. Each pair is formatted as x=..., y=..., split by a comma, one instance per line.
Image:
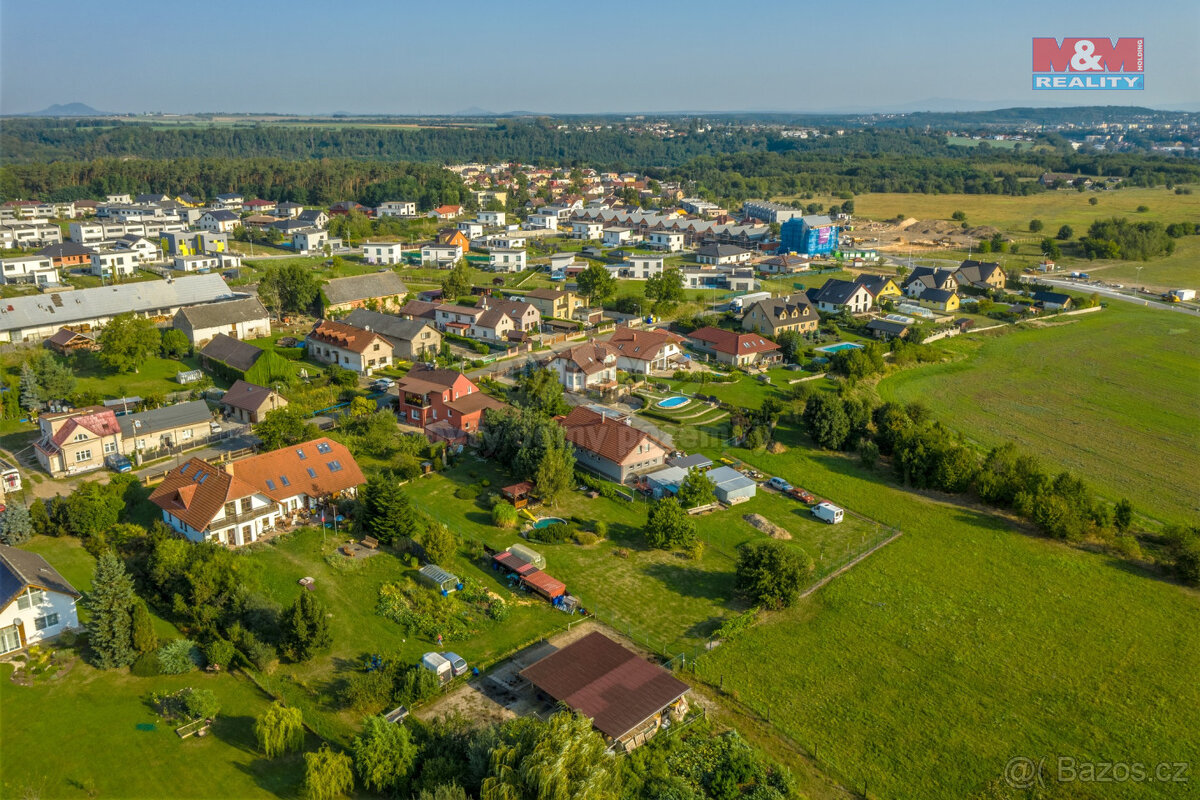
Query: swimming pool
x=836, y=348
x=545, y=522
x=673, y=402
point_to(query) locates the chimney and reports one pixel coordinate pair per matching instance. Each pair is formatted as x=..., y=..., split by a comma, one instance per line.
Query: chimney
x=228, y=466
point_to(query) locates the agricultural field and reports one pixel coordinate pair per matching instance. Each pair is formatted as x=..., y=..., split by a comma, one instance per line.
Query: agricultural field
x=962, y=644
x=1111, y=396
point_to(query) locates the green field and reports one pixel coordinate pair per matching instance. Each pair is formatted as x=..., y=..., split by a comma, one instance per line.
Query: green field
x=963, y=644
x=1110, y=395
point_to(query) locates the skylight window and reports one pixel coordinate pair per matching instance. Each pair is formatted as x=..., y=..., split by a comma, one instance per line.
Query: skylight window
x=284, y=480
x=200, y=476
x=335, y=466
x=300, y=454
x=270, y=484
x=323, y=447
x=311, y=472
x=184, y=469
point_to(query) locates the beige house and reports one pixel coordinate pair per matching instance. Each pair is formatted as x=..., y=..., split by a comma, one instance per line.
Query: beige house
x=244, y=318
x=183, y=426
x=77, y=441
x=775, y=315
x=556, y=304
x=248, y=403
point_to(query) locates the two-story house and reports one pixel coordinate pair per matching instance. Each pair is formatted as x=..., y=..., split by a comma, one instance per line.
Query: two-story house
x=303, y=476
x=773, y=316
x=586, y=366
x=36, y=603
x=114, y=263
x=204, y=502
x=426, y=397
x=611, y=448
x=357, y=350
x=396, y=208
x=643, y=352
x=506, y=259
x=383, y=252
x=923, y=278
x=838, y=295
x=39, y=270
x=77, y=441
x=554, y=304
x=411, y=339
x=219, y=220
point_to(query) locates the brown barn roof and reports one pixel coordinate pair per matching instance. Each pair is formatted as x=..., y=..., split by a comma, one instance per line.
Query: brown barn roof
x=246, y=395
x=601, y=679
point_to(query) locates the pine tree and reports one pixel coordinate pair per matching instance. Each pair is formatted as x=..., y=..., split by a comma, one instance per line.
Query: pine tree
x=16, y=525
x=111, y=603
x=30, y=394
x=307, y=630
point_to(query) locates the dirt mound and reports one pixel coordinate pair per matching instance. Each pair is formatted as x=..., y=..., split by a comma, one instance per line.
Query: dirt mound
x=982, y=231
x=766, y=526
x=775, y=448
x=907, y=223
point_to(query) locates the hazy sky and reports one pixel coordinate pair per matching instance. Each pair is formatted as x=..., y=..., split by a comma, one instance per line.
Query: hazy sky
x=407, y=58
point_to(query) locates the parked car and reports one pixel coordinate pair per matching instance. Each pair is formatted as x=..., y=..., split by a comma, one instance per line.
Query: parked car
x=118, y=463
x=382, y=384
x=779, y=484
x=458, y=664
x=802, y=495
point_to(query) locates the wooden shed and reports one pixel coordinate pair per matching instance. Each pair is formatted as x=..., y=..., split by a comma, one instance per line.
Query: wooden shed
x=517, y=494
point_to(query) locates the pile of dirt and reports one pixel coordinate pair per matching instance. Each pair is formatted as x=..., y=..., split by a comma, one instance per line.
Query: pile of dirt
x=766, y=526
x=776, y=448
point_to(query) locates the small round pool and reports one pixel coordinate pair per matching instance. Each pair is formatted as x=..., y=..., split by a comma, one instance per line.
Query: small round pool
x=673, y=402
x=545, y=522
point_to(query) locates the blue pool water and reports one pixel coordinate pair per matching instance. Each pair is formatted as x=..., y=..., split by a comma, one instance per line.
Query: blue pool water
x=673, y=402
x=546, y=522
x=835, y=348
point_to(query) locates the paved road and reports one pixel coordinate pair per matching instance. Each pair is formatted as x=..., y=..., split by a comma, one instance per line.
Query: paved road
x=1118, y=294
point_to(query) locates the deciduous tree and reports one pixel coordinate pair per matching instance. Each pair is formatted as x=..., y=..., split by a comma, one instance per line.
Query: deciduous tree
x=327, y=774
x=279, y=730
x=383, y=756
x=596, y=284
x=669, y=526
x=283, y=427
x=771, y=573
x=696, y=489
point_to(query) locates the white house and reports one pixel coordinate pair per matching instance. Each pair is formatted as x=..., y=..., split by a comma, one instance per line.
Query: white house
x=586, y=366
x=838, y=295
x=383, y=252
x=196, y=263
x=310, y=240
x=548, y=222
x=491, y=218
x=509, y=240
x=396, y=208
x=219, y=220
x=721, y=254
x=355, y=349
x=37, y=603
x=206, y=502
x=504, y=259
x=642, y=352
x=470, y=228
x=671, y=241
x=28, y=269
x=146, y=250
x=586, y=229
x=244, y=318
x=638, y=267
x=110, y=263
x=441, y=255
x=615, y=237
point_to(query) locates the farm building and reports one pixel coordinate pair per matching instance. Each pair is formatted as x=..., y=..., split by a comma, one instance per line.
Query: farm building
x=687, y=462
x=666, y=481
x=627, y=698
x=445, y=582
x=67, y=341
x=732, y=486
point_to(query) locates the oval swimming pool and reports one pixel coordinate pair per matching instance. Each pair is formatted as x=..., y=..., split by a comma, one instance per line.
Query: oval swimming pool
x=545, y=522
x=673, y=402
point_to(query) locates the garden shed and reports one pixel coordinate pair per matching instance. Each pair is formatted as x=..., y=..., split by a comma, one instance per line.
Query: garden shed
x=545, y=585
x=528, y=555
x=517, y=494
x=439, y=578
x=732, y=486
x=513, y=564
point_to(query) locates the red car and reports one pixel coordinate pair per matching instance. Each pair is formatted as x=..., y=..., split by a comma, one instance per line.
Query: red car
x=801, y=495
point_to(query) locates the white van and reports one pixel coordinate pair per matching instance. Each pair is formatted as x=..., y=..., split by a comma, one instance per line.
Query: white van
x=827, y=512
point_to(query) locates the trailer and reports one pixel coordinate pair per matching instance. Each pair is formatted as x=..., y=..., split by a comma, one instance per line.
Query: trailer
x=439, y=665
x=740, y=303
x=828, y=512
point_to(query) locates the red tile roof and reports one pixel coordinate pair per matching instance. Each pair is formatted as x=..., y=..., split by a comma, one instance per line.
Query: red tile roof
x=642, y=345
x=197, y=491
x=738, y=344
x=600, y=679
x=100, y=421
x=347, y=337
x=601, y=435
x=283, y=473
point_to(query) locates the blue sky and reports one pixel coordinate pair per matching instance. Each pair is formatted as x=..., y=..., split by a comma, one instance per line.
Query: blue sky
x=407, y=58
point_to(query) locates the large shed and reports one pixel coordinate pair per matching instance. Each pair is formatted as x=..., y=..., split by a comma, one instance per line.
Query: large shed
x=545, y=585
x=666, y=481
x=528, y=555
x=732, y=486
x=624, y=695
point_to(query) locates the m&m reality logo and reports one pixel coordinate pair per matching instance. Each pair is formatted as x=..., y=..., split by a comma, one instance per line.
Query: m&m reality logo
x=1089, y=63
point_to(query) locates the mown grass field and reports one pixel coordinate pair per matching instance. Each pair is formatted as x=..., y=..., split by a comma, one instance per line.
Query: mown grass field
x=1111, y=396
x=964, y=643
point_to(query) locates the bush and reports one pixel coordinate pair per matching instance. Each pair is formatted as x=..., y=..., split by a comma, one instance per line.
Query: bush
x=200, y=703
x=498, y=610
x=260, y=654
x=555, y=533
x=178, y=656
x=586, y=537
x=601, y=529
x=146, y=666
x=415, y=685
x=368, y=692
x=219, y=652
x=466, y=493
x=504, y=515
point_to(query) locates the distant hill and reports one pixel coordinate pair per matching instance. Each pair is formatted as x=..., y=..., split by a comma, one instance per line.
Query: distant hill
x=67, y=110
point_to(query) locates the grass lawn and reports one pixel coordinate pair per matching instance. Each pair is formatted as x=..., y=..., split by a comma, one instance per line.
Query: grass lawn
x=78, y=737
x=666, y=601
x=350, y=592
x=921, y=671
x=1110, y=395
